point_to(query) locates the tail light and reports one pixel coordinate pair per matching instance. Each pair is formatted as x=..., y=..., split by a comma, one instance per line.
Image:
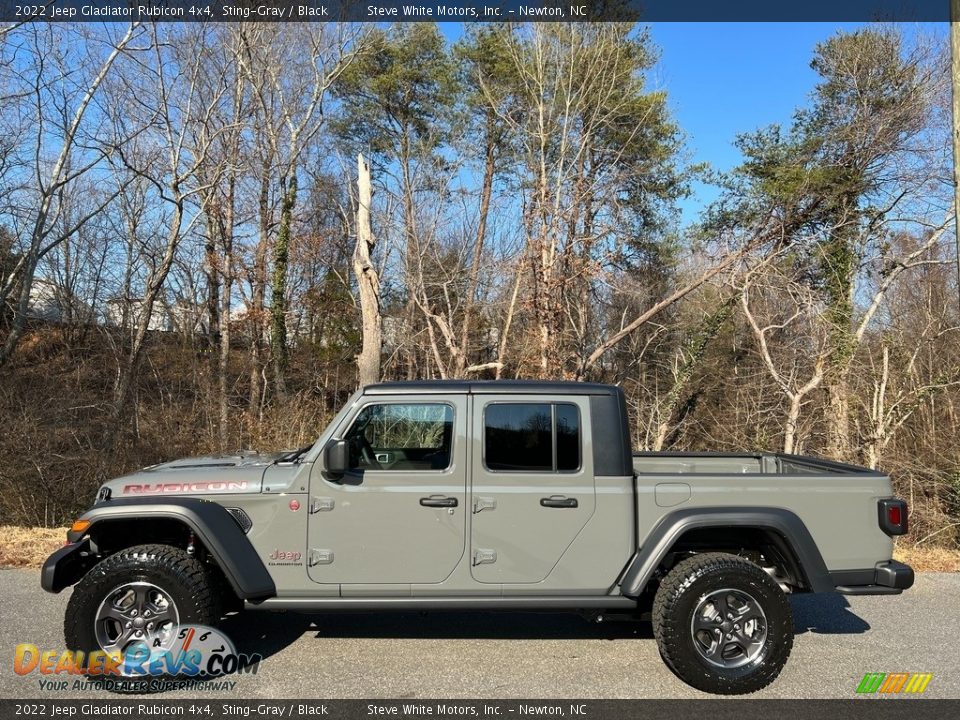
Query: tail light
x=892, y=516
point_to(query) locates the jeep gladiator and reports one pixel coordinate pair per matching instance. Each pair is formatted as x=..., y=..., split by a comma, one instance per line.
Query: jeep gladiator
x=487, y=495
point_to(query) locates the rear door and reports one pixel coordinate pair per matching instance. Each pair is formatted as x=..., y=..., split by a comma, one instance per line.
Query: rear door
x=398, y=516
x=533, y=488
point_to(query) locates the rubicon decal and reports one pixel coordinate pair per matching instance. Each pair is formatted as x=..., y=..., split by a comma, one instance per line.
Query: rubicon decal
x=894, y=683
x=187, y=487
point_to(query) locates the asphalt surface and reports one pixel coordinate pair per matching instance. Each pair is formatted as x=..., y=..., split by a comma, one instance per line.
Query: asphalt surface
x=513, y=655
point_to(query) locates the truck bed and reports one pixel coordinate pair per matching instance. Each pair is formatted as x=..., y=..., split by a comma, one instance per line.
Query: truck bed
x=836, y=502
x=709, y=463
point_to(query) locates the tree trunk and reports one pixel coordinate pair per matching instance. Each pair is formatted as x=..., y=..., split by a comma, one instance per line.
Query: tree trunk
x=212, y=274
x=155, y=284
x=368, y=361
x=258, y=294
x=412, y=260
x=485, y=193
x=838, y=415
x=20, y=311
x=226, y=289
x=278, y=298
x=790, y=425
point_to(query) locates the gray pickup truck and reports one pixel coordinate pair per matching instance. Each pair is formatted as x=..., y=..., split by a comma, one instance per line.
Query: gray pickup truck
x=485, y=496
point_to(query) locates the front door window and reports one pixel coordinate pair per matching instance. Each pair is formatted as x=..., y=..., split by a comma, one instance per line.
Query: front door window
x=416, y=436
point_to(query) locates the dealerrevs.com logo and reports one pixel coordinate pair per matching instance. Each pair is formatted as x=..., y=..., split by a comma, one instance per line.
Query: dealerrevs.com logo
x=190, y=656
x=894, y=683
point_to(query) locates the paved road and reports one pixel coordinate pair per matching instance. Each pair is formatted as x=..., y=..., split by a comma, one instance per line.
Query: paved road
x=529, y=655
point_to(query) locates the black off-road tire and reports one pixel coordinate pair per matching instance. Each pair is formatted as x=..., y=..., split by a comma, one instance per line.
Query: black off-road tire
x=683, y=590
x=189, y=583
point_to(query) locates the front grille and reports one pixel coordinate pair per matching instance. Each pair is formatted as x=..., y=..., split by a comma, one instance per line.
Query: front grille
x=243, y=520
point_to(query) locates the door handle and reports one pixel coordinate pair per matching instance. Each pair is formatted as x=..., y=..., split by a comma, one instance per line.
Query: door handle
x=559, y=501
x=438, y=501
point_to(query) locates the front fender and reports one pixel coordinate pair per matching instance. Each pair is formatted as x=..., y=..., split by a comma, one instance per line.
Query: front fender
x=212, y=524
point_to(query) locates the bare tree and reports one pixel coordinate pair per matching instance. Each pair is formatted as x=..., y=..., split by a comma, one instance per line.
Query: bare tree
x=223, y=131
x=368, y=282
x=169, y=95
x=66, y=128
x=801, y=372
x=291, y=70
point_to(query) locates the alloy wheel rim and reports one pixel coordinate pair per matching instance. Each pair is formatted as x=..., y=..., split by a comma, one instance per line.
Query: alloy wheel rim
x=729, y=628
x=135, y=612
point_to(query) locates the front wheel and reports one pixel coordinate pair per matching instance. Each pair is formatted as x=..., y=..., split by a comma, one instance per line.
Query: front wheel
x=146, y=591
x=722, y=624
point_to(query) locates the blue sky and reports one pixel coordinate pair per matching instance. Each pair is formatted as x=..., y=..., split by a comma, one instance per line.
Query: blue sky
x=723, y=79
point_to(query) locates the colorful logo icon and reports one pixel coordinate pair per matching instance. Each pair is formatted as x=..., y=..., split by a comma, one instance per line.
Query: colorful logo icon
x=894, y=683
x=186, y=651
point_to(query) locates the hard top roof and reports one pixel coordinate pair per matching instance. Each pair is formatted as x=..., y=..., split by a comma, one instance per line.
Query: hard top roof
x=490, y=387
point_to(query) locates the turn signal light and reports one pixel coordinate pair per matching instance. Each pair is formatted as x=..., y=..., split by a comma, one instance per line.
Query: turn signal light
x=79, y=526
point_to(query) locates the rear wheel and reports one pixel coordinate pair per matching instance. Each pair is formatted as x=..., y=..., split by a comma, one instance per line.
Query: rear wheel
x=722, y=624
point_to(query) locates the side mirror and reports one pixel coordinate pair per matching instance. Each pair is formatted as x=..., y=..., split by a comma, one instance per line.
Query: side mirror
x=336, y=457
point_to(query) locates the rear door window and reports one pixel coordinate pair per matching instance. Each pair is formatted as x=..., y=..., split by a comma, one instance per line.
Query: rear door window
x=532, y=437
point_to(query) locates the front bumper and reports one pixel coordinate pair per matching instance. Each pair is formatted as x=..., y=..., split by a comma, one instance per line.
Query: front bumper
x=66, y=566
x=887, y=578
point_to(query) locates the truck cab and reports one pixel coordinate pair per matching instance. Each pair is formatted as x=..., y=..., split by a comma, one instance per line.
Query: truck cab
x=481, y=488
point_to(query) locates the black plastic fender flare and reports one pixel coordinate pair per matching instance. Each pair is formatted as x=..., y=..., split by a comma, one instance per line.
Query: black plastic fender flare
x=673, y=525
x=213, y=525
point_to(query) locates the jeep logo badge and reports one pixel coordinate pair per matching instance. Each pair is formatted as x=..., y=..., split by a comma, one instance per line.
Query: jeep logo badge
x=285, y=556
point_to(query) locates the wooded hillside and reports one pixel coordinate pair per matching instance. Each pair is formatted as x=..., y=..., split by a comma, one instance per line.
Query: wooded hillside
x=184, y=250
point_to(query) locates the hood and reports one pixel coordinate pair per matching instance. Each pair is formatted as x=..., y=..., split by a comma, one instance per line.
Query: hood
x=241, y=460
x=213, y=475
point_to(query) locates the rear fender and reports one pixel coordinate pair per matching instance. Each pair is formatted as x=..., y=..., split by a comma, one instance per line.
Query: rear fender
x=672, y=526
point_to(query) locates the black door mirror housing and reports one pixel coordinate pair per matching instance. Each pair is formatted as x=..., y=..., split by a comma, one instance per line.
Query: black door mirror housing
x=336, y=457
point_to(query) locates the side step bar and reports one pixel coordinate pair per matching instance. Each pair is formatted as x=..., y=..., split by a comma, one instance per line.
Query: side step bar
x=560, y=602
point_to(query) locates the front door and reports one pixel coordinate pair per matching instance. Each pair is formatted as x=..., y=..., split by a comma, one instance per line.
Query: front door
x=533, y=488
x=398, y=515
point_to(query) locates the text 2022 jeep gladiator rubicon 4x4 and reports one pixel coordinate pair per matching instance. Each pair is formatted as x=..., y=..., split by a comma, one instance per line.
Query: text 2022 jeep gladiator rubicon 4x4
x=484, y=496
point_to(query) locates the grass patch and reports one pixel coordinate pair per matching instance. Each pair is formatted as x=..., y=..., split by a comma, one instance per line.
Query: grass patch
x=27, y=547
x=929, y=559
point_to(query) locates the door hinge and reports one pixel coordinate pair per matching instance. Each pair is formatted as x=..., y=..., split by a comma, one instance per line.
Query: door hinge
x=320, y=557
x=483, y=556
x=321, y=504
x=481, y=503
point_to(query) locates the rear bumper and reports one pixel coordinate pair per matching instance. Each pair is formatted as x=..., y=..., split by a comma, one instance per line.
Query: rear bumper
x=887, y=578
